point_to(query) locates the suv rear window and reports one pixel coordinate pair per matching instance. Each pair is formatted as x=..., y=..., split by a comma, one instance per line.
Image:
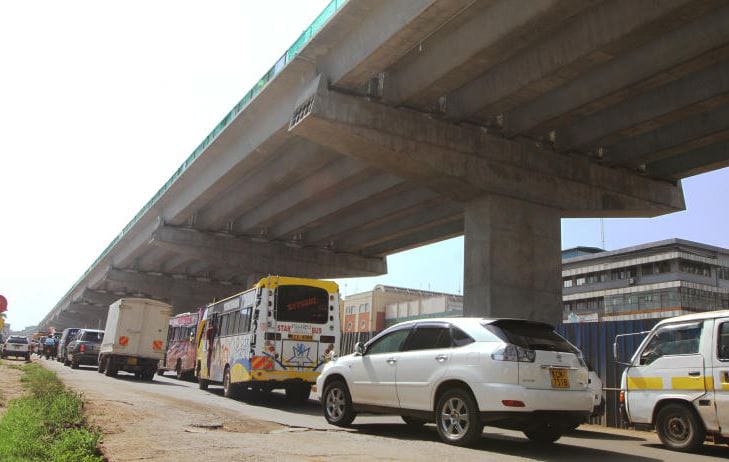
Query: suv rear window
x=530, y=335
x=22, y=340
x=95, y=337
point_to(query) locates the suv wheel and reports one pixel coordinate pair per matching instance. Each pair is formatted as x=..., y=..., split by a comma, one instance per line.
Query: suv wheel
x=457, y=418
x=74, y=363
x=544, y=432
x=679, y=429
x=338, y=408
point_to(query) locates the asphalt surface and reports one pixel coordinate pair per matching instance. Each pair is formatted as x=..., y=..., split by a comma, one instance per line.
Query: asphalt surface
x=305, y=435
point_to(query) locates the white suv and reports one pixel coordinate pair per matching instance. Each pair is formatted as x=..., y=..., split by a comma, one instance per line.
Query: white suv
x=462, y=373
x=17, y=346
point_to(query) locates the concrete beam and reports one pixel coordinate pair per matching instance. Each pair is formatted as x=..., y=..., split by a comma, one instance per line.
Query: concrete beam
x=372, y=235
x=268, y=257
x=325, y=181
x=589, y=39
x=691, y=163
x=464, y=162
x=379, y=209
x=299, y=159
x=461, y=50
x=418, y=238
x=378, y=35
x=685, y=135
x=673, y=101
x=183, y=292
x=348, y=196
x=650, y=65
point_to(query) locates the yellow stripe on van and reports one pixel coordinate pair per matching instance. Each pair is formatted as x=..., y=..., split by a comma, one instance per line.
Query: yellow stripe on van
x=688, y=383
x=645, y=383
x=709, y=382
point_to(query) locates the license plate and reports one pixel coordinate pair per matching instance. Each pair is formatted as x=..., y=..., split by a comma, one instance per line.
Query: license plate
x=560, y=378
x=132, y=361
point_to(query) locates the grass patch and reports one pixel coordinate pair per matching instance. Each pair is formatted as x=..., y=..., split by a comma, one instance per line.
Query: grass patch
x=46, y=425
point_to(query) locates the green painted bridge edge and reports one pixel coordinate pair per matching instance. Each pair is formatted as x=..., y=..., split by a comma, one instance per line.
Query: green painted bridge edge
x=323, y=17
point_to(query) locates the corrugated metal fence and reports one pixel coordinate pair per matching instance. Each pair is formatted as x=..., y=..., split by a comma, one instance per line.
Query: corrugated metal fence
x=595, y=339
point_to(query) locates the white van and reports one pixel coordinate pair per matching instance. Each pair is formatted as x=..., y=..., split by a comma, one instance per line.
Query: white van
x=678, y=380
x=136, y=330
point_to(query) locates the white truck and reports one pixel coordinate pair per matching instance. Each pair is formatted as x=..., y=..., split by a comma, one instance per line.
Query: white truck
x=136, y=329
x=678, y=380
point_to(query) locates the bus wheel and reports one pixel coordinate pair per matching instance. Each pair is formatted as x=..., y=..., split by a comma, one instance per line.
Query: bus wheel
x=298, y=393
x=230, y=389
x=679, y=428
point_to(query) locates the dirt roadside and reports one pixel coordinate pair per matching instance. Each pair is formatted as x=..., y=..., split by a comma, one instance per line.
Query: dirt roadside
x=10, y=386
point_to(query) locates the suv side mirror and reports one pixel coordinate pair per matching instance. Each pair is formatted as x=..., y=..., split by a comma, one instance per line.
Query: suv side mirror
x=359, y=349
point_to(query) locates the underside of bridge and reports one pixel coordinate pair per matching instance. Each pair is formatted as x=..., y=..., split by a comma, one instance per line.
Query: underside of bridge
x=405, y=123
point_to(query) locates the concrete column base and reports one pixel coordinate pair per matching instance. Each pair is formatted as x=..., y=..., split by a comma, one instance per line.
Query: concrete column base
x=512, y=260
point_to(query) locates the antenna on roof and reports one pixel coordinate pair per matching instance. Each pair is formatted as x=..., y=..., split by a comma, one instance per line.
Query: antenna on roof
x=602, y=232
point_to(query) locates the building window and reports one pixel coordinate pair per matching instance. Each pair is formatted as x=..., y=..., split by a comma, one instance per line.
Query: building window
x=723, y=273
x=349, y=326
x=693, y=267
x=580, y=281
x=363, y=324
x=664, y=266
x=567, y=282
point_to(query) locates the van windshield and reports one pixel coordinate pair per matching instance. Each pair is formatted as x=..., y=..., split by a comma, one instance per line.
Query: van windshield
x=530, y=335
x=302, y=304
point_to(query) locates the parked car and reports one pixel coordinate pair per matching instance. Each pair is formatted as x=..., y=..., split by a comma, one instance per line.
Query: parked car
x=84, y=349
x=594, y=383
x=462, y=373
x=17, y=346
x=66, y=337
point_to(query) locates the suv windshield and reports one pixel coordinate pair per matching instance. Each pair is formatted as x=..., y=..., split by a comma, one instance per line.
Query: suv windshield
x=530, y=335
x=95, y=337
x=302, y=304
x=17, y=340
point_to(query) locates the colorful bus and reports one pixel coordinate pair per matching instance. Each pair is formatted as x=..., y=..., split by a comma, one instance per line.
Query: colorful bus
x=181, y=342
x=276, y=335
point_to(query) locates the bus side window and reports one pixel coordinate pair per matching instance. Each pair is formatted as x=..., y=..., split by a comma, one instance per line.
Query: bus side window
x=246, y=319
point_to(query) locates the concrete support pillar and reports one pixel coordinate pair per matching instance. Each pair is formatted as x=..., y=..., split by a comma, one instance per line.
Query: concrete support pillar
x=512, y=260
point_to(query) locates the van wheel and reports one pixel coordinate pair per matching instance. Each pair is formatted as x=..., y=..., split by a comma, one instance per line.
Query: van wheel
x=457, y=418
x=544, y=432
x=178, y=370
x=338, y=409
x=679, y=429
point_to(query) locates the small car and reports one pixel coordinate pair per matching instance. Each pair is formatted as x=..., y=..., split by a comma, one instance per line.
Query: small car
x=84, y=349
x=463, y=373
x=17, y=346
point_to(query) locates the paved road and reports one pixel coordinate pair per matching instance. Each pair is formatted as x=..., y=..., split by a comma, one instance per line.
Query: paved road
x=174, y=420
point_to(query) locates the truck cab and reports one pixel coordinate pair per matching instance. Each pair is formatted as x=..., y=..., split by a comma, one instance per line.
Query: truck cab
x=678, y=380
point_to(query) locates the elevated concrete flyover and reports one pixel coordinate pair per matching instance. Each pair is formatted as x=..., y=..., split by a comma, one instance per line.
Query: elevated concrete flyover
x=389, y=125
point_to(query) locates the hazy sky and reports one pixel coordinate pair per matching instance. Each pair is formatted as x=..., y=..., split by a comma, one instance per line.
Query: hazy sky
x=101, y=101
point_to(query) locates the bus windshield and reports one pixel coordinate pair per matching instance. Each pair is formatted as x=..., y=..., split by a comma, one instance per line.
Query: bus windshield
x=302, y=304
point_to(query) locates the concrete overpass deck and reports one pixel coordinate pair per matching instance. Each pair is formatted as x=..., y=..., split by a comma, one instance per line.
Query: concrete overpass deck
x=389, y=125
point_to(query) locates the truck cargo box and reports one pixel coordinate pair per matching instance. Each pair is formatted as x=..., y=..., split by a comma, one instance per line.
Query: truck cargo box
x=136, y=327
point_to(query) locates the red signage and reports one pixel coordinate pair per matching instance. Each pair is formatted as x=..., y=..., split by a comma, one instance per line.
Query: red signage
x=3, y=304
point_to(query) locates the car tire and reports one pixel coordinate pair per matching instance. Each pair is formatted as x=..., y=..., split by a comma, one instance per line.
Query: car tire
x=414, y=422
x=74, y=364
x=148, y=375
x=110, y=369
x=27, y=358
x=454, y=407
x=337, y=404
x=179, y=375
x=544, y=432
x=679, y=429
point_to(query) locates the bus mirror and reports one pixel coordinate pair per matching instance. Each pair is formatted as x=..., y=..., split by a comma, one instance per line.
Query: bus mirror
x=359, y=349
